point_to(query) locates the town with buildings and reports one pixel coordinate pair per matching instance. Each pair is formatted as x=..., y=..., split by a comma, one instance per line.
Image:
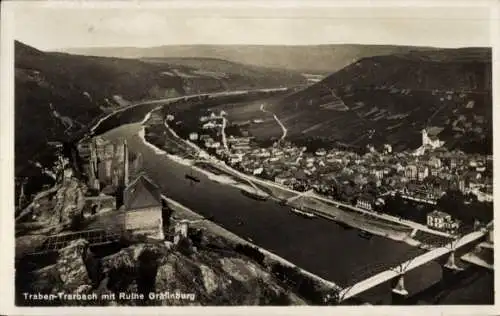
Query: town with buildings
x=422, y=176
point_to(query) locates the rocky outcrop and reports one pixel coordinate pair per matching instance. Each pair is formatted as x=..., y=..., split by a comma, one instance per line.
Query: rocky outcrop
x=210, y=279
x=177, y=273
x=71, y=266
x=162, y=275
x=62, y=208
x=46, y=280
x=228, y=281
x=28, y=243
x=72, y=273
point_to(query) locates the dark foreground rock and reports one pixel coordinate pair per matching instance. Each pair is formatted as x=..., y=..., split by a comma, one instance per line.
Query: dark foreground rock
x=155, y=274
x=71, y=274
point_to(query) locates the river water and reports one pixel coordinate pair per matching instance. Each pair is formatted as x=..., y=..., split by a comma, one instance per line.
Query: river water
x=317, y=245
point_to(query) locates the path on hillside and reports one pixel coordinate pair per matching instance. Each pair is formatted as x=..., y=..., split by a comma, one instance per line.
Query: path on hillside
x=285, y=131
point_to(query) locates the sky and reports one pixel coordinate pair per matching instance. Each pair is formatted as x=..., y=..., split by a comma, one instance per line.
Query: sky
x=56, y=26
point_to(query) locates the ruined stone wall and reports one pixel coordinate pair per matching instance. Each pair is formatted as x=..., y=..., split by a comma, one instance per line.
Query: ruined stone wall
x=147, y=221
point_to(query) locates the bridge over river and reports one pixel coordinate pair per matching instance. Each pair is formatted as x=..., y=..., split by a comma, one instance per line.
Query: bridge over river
x=399, y=271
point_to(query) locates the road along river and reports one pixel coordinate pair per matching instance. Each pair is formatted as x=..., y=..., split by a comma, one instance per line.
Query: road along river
x=318, y=245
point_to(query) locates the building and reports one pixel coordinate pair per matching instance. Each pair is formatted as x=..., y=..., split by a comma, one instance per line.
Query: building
x=281, y=179
x=387, y=149
x=105, y=149
x=67, y=173
x=193, y=136
x=435, y=162
x=423, y=172
x=212, y=144
x=436, y=219
x=143, y=208
x=378, y=173
x=204, y=137
x=83, y=146
x=320, y=152
x=365, y=202
x=108, y=164
x=483, y=196
x=257, y=171
x=235, y=158
x=99, y=203
x=462, y=185
x=441, y=221
x=209, y=125
x=411, y=172
x=453, y=163
x=240, y=147
x=430, y=139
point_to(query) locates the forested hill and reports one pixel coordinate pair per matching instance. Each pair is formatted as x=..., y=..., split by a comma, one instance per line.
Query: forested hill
x=325, y=59
x=58, y=94
x=390, y=99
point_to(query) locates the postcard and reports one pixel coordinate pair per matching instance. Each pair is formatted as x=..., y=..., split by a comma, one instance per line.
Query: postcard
x=229, y=157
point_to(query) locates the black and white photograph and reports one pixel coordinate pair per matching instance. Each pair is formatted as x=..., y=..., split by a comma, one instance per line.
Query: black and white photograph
x=253, y=154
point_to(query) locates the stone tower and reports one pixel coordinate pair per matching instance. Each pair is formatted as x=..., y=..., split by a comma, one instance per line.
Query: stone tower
x=125, y=164
x=425, y=137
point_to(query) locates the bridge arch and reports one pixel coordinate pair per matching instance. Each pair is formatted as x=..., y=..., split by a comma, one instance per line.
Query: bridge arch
x=364, y=272
x=414, y=262
x=399, y=265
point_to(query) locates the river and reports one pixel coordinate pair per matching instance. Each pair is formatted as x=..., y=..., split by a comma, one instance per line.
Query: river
x=317, y=245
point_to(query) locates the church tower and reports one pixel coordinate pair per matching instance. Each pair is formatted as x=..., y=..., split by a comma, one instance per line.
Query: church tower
x=425, y=137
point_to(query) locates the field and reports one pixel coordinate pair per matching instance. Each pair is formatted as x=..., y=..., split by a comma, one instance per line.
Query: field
x=255, y=117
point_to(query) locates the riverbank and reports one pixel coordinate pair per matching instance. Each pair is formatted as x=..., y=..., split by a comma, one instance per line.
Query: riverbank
x=228, y=176
x=396, y=227
x=198, y=221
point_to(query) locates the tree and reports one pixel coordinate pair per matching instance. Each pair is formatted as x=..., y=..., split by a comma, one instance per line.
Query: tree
x=453, y=203
x=394, y=205
x=371, y=188
x=348, y=193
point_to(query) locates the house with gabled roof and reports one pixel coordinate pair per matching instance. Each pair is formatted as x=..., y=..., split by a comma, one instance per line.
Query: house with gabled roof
x=142, y=206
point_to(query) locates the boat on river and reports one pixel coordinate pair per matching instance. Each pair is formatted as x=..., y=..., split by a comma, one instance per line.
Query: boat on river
x=192, y=177
x=364, y=234
x=302, y=213
x=256, y=195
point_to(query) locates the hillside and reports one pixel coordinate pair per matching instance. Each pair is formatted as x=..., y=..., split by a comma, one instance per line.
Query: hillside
x=223, y=69
x=58, y=94
x=390, y=99
x=312, y=58
x=52, y=87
